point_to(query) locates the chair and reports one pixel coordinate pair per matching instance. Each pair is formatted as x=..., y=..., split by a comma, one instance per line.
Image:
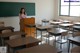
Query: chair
x=1, y=24
x=11, y=37
x=44, y=21
x=77, y=33
x=75, y=50
x=6, y=31
x=63, y=39
x=15, y=37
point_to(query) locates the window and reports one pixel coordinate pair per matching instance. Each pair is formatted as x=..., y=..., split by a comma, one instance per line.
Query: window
x=69, y=8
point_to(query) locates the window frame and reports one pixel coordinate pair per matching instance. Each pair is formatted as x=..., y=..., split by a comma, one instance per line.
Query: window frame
x=68, y=10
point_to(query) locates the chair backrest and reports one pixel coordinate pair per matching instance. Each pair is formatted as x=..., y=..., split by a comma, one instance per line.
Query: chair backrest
x=1, y=24
x=11, y=37
x=6, y=31
x=77, y=33
x=15, y=37
x=64, y=34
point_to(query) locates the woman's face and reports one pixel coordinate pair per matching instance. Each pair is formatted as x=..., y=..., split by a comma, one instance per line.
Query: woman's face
x=22, y=10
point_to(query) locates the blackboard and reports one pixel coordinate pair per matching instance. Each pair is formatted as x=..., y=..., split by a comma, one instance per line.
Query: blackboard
x=8, y=9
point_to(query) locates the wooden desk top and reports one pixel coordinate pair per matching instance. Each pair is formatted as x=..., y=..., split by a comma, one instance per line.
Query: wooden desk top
x=77, y=23
x=55, y=22
x=66, y=21
x=42, y=27
x=39, y=49
x=65, y=25
x=45, y=20
x=56, y=31
x=75, y=39
x=76, y=27
x=11, y=34
x=21, y=41
x=7, y=27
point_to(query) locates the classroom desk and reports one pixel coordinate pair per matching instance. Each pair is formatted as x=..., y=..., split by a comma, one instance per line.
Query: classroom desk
x=66, y=21
x=7, y=27
x=45, y=21
x=55, y=22
x=39, y=49
x=26, y=41
x=55, y=32
x=75, y=40
x=66, y=25
x=41, y=29
x=6, y=36
x=77, y=23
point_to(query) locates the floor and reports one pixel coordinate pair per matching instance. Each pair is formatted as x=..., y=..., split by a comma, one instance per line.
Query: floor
x=52, y=43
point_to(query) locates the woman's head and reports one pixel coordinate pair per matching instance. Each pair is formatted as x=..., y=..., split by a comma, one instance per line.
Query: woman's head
x=22, y=11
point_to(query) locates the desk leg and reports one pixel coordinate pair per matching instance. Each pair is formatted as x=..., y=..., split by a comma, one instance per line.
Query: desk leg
x=36, y=33
x=2, y=41
x=12, y=30
x=48, y=38
x=45, y=24
x=23, y=35
x=68, y=46
x=55, y=40
x=8, y=49
x=41, y=37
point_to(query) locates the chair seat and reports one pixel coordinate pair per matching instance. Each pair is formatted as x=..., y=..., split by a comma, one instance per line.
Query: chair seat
x=75, y=50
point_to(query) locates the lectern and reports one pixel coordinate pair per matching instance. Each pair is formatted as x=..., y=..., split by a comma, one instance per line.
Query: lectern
x=24, y=26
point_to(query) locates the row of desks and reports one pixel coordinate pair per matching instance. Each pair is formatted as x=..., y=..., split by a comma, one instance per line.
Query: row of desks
x=21, y=43
x=58, y=31
x=39, y=49
x=25, y=43
x=6, y=36
x=30, y=41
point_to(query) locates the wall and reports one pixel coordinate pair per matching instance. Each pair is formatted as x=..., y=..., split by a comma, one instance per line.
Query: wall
x=44, y=10
x=56, y=10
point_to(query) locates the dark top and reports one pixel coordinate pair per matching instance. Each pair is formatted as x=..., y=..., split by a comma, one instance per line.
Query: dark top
x=56, y=31
x=75, y=39
x=76, y=27
x=39, y=49
x=5, y=35
x=21, y=41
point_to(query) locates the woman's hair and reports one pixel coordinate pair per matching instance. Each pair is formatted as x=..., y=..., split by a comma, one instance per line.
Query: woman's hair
x=21, y=11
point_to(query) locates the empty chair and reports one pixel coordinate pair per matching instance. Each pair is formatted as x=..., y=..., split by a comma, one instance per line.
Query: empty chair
x=64, y=37
x=15, y=37
x=11, y=37
x=77, y=33
x=1, y=24
x=6, y=31
x=75, y=50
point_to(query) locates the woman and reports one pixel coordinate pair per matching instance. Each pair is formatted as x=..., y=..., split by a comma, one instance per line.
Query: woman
x=22, y=15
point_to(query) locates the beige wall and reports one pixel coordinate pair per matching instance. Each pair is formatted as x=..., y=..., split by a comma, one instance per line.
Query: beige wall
x=56, y=12
x=44, y=10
